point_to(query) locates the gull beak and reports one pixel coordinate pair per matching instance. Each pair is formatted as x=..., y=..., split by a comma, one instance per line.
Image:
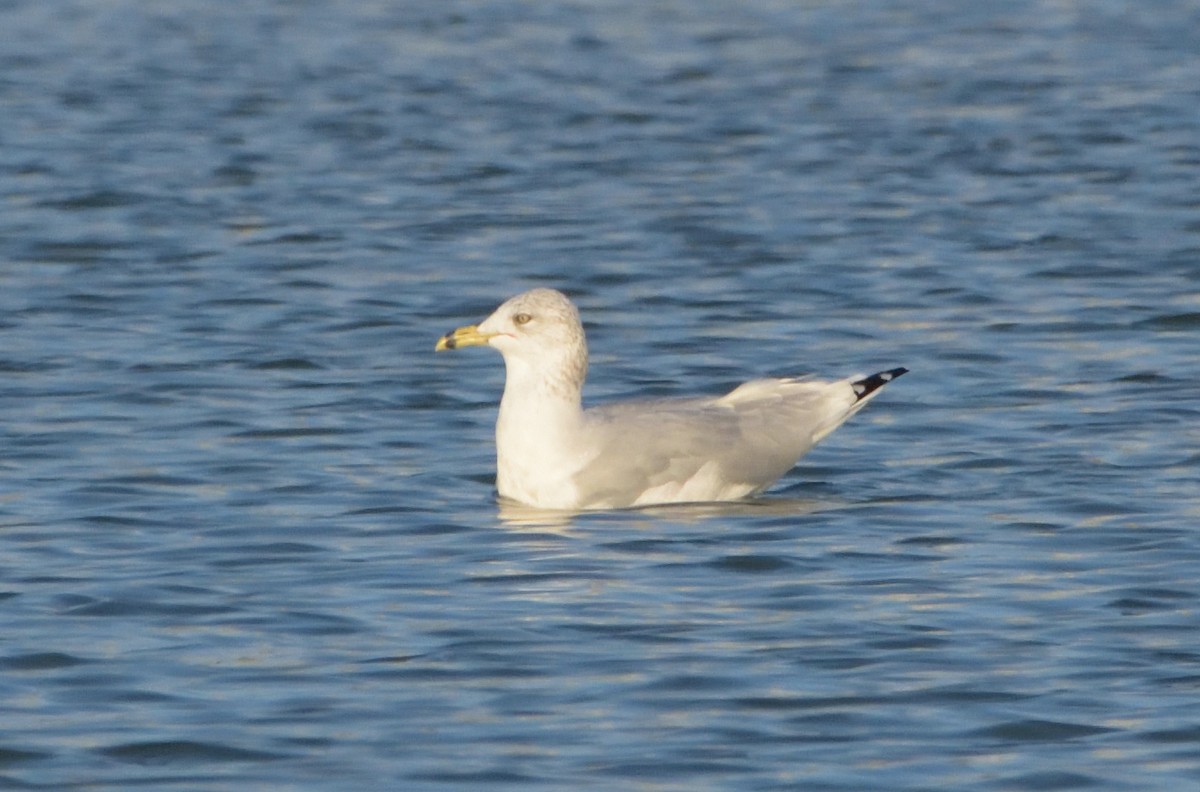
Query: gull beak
x=463, y=337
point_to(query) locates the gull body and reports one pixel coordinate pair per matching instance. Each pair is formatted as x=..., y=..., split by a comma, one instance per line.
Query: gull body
x=552, y=453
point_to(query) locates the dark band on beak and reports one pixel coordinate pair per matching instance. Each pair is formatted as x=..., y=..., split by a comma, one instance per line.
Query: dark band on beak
x=463, y=337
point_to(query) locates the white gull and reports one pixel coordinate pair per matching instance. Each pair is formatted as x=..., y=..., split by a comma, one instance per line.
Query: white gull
x=552, y=453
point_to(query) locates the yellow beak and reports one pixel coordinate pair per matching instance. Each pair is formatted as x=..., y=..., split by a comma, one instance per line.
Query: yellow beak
x=463, y=337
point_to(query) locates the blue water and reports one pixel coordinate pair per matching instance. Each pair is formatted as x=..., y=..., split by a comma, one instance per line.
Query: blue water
x=248, y=532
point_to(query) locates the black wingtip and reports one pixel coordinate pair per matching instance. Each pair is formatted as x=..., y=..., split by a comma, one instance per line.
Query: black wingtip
x=868, y=385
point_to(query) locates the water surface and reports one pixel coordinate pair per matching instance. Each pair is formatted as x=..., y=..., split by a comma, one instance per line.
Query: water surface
x=248, y=532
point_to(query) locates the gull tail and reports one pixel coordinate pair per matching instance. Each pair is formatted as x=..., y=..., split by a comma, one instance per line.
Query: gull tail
x=866, y=386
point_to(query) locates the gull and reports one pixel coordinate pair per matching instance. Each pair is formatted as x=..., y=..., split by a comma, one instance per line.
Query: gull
x=552, y=453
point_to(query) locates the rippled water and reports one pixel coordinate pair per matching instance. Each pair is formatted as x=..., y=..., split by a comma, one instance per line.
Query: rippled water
x=249, y=536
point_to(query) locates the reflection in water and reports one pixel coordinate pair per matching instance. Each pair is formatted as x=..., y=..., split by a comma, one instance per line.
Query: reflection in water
x=518, y=515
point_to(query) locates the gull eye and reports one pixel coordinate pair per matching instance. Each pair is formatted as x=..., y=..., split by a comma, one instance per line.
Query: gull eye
x=522, y=318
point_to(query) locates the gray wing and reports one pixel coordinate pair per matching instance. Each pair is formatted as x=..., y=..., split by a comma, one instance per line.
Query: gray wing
x=753, y=435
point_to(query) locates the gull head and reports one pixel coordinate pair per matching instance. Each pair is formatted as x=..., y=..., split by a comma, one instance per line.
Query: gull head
x=539, y=334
